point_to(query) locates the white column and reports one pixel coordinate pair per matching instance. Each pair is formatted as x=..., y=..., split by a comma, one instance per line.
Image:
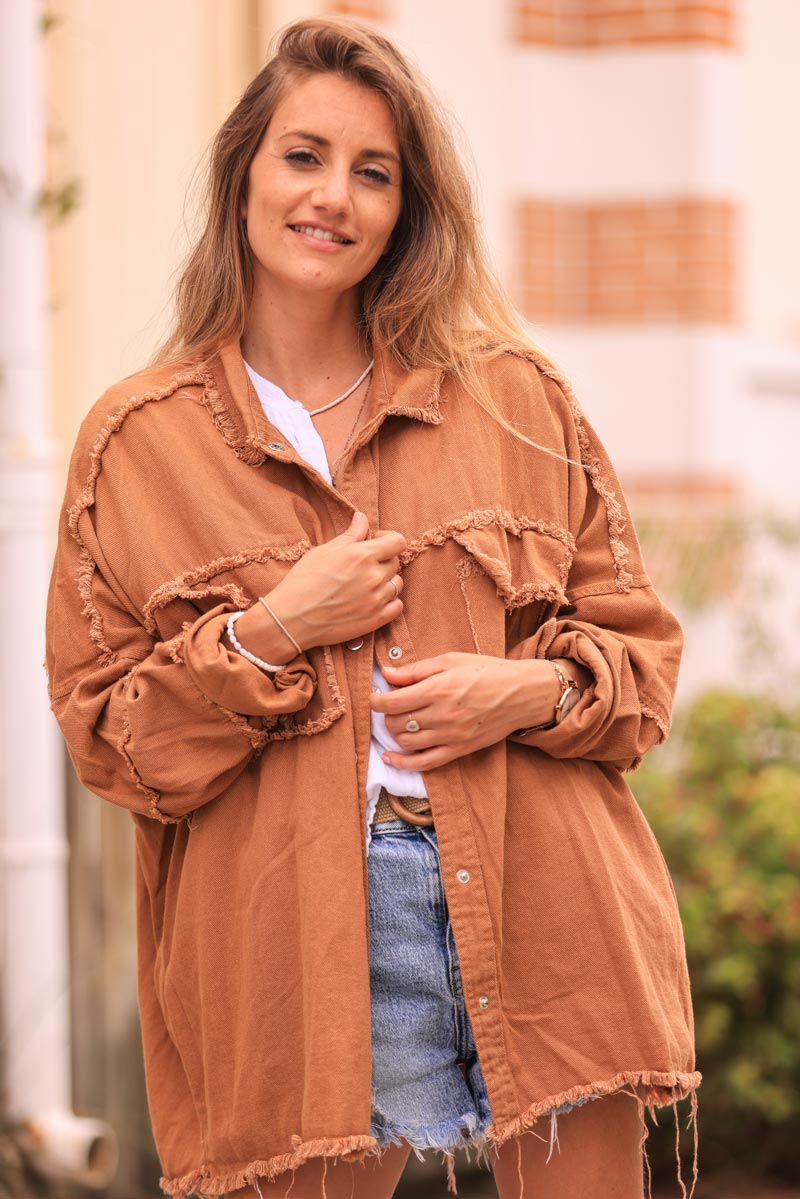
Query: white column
x=33, y=846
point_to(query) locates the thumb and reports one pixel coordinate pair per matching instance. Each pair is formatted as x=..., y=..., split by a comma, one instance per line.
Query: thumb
x=358, y=527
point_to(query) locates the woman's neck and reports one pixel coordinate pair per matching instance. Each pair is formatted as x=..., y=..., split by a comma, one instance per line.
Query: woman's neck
x=312, y=357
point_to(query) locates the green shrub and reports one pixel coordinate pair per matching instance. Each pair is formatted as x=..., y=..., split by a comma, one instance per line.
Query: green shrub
x=723, y=799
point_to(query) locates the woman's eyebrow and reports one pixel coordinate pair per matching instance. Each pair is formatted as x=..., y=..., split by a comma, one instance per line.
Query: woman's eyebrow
x=324, y=142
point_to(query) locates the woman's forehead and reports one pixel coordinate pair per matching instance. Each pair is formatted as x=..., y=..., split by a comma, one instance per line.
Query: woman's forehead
x=332, y=107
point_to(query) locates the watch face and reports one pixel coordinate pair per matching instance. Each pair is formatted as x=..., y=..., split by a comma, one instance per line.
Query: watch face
x=571, y=697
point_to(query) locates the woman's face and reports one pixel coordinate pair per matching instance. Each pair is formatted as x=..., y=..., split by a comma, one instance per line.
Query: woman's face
x=328, y=158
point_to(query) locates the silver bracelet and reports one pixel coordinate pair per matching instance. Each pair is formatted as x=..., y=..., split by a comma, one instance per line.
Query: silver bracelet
x=234, y=616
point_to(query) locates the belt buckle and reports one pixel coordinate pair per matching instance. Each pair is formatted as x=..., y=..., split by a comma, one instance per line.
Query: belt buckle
x=404, y=813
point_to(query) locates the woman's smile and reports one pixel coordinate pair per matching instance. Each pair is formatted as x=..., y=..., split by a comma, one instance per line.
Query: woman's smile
x=320, y=239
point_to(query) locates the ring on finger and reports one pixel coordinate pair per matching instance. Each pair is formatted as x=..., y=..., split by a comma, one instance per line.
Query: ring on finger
x=413, y=726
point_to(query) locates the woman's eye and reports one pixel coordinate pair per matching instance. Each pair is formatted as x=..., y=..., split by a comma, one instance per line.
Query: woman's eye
x=378, y=176
x=300, y=156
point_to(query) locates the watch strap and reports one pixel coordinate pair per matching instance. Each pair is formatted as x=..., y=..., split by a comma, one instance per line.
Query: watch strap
x=567, y=686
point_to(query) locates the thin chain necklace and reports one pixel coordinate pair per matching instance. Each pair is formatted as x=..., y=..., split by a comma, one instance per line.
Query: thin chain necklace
x=349, y=391
x=352, y=431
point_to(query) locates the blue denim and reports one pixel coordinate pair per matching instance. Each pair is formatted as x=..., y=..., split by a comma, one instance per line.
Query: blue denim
x=420, y=1026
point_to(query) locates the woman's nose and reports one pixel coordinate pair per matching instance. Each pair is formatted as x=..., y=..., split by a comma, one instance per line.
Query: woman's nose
x=333, y=191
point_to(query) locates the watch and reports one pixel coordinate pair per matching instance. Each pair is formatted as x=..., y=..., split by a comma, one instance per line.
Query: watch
x=570, y=694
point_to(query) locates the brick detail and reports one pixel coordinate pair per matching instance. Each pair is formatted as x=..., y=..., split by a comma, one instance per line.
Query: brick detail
x=593, y=24
x=670, y=260
x=369, y=10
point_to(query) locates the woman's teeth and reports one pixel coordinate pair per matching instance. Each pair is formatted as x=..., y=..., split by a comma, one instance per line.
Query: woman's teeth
x=320, y=234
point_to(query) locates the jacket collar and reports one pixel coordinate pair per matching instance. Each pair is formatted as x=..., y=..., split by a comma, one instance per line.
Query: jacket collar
x=237, y=413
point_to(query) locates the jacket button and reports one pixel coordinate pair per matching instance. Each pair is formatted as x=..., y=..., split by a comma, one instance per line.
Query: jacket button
x=276, y=445
x=483, y=1002
x=395, y=652
x=463, y=876
x=355, y=644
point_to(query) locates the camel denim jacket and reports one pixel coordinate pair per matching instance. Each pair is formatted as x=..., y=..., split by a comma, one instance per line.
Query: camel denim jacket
x=247, y=790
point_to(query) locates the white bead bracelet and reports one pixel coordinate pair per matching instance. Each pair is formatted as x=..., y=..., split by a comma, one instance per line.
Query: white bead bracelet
x=234, y=616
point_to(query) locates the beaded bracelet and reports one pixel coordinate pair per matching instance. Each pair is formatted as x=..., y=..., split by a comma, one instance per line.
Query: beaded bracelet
x=234, y=616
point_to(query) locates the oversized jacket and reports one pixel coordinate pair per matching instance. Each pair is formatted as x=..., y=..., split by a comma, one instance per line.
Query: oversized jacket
x=247, y=790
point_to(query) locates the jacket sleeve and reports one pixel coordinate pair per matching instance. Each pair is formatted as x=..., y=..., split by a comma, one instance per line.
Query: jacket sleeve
x=614, y=623
x=159, y=727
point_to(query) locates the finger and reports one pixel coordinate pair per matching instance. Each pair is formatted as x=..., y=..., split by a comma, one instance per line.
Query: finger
x=415, y=672
x=399, y=703
x=415, y=742
x=428, y=759
x=423, y=738
x=388, y=544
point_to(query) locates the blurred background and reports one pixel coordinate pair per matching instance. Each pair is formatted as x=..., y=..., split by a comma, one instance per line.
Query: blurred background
x=640, y=197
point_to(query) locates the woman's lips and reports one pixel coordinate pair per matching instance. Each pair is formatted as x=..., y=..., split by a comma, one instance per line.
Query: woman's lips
x=320, y=243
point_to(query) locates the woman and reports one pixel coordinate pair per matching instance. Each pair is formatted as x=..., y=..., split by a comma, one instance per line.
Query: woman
x=347, y=610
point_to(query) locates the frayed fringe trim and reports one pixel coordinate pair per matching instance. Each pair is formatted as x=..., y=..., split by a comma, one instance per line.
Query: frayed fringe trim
x=245, y=447
x=660, y=1088
x=429, y=412
x=650, y=1089
x=152, y=796
x=661, y=718
x=86, y=567
x=190, y=584
x=207, y=1181
x=513, y=597
x=615, y=516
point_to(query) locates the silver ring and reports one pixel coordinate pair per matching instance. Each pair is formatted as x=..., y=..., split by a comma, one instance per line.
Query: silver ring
x=412, y=726
x=396, y=591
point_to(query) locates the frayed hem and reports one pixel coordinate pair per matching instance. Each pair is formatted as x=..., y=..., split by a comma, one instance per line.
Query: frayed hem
x=446, y=1138
x=650, y=1089
x=655, y=1087
x=207, y=1181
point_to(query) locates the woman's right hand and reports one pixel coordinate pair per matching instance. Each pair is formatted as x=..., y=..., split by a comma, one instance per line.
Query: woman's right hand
x=337, y=591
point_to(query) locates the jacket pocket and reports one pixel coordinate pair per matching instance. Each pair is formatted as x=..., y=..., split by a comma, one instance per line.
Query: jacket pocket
x=511, y=572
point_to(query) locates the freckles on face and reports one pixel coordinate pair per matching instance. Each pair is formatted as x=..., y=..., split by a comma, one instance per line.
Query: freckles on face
x=330, y=158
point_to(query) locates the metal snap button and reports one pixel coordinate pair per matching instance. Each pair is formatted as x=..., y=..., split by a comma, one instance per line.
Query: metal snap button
x=276, y=445
x=463, y=876
x=355, y=644
x=395, y=652
x=483, y=1002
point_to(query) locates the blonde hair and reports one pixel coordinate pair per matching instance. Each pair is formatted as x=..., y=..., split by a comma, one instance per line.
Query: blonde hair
x=433, y=300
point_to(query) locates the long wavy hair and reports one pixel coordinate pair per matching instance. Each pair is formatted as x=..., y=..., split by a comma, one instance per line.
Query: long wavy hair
x=433, y=299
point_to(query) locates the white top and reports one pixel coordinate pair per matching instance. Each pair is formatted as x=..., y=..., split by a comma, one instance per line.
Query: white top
x=294, y=421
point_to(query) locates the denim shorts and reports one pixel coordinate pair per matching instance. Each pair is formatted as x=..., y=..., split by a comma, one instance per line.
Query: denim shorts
x=420, y=1027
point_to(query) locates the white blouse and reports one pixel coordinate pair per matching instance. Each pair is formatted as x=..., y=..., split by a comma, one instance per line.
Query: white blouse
x=294, y=421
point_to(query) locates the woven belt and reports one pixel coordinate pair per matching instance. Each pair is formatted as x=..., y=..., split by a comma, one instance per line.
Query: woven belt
x=416, y=809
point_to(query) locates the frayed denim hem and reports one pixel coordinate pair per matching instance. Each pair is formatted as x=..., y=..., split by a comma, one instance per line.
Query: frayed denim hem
x=447, y=1136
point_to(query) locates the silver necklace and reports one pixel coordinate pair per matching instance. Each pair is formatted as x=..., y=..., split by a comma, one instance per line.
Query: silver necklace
x=349, y=391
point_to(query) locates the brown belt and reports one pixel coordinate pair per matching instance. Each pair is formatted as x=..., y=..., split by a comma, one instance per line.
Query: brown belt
x=416, y=809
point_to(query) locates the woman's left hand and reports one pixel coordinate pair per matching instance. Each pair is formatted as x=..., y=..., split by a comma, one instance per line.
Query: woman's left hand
x=462, y=702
